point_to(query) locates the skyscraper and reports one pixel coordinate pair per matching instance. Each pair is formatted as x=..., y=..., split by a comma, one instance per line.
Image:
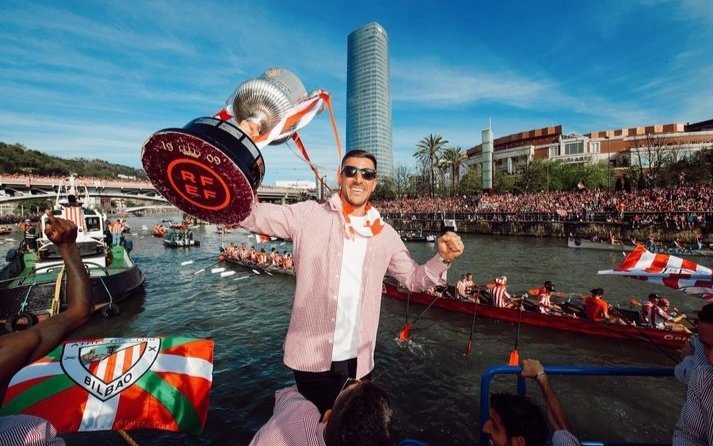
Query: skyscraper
x=369, y=95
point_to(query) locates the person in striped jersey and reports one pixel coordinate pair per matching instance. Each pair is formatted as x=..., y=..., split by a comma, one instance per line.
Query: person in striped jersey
x=24, y=347
x=695, y=424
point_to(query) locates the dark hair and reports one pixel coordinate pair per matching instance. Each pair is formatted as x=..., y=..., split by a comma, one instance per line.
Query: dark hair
x=706, y=314
x=598, y=291
x=358, y=153
x=361, y=416
x=521, y=418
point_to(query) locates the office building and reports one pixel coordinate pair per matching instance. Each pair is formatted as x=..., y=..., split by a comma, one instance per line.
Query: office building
x=369, y=95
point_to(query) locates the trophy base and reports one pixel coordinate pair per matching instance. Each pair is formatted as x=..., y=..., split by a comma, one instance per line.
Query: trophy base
x=209, y=169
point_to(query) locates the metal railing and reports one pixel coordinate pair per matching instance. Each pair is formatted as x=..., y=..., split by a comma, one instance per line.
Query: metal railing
x=559, y=370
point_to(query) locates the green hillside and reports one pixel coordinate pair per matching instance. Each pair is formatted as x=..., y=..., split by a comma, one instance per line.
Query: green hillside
x=16, y=158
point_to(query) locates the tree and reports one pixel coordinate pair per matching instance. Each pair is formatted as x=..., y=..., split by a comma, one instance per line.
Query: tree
x=402, y=180
x=653, y=153
x=471, y=183
x=453, y=158
x=428, y=152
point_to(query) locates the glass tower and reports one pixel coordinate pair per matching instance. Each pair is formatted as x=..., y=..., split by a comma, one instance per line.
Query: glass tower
x=369, y=95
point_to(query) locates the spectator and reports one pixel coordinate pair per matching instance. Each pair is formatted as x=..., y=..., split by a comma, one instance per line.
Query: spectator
x=695, y=423
x=361, y=415
x=22, y=348
x=517, y=421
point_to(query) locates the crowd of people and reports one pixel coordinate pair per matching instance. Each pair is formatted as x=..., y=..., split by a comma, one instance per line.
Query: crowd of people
x=274, y=259
x=677, y=208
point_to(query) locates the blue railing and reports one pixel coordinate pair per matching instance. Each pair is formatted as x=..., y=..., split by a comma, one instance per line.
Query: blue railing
x=558, y=370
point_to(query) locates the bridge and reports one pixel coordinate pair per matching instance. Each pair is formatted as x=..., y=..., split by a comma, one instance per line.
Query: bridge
x=18, y=188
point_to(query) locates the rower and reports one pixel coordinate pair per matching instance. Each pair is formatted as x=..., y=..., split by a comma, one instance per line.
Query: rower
x=544, y=303
x=647, y=307
x=461, y=292
x=501, y=297
x=662, y=320
x=597, y=309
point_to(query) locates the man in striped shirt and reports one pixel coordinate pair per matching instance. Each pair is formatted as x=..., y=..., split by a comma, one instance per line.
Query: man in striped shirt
x=695, y=424
x=342, y=250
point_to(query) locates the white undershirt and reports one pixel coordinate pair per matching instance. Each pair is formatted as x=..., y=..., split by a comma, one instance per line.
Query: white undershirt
x=346, y=331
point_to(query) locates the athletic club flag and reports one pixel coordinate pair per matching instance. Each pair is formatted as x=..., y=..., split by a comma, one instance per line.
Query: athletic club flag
x=118, y=384
x=667, y=270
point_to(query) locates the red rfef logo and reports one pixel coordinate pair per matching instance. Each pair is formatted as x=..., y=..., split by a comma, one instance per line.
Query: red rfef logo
x=198, y=184
x=106, y=368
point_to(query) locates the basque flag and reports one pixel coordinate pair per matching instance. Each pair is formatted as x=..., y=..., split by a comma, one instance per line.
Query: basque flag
x=118, y=384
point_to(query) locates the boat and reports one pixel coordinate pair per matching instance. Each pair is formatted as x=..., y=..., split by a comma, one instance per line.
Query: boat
x=413, y=237
x=158, y=231
x=4, y=230
x=28, y=282
x=577, y=243
x=178, y=238
x=259, y=268
x=530, y=316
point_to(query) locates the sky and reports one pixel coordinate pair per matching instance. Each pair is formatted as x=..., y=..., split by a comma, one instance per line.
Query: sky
x=95, y=79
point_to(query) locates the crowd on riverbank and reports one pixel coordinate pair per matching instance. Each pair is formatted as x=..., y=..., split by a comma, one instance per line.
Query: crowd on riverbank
x=677, y=208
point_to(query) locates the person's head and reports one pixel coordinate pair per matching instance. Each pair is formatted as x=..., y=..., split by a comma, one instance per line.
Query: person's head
x=502, y=280
x=653, y=298
x=705, y=330
x=469, y=276
x=598, y=292
x=357, y=178
x=664, y=303
x=515, y=421
x=549, y=286
x=361, y=415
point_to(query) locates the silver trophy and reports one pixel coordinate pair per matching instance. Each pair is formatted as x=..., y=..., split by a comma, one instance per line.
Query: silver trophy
x=267, y=99
x=211, y=168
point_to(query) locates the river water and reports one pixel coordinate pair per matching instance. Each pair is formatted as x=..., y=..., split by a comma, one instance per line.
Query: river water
x=434, y=388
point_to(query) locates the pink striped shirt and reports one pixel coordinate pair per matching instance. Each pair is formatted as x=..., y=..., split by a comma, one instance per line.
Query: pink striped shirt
x=294, y=422
x=317, y=234
x=27, y=430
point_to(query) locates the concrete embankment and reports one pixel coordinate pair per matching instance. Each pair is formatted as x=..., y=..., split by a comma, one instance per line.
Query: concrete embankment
x=556, y=229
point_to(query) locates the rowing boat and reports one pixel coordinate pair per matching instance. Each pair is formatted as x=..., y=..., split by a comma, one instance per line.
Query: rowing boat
x=260, y=268
x=535, y=318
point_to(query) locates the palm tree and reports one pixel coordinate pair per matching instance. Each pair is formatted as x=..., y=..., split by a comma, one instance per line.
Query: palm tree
x=428, y=152
x=454, y=158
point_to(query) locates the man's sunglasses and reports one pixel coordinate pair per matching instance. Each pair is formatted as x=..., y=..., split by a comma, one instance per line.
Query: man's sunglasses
x=366, y=173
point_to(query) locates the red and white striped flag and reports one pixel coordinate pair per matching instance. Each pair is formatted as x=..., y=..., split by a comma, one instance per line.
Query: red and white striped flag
x=667, y=270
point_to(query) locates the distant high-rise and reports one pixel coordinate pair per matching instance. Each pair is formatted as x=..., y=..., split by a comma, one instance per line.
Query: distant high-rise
x=369, y=95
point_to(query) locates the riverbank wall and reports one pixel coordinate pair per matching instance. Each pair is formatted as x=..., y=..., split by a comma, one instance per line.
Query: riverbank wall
x=555, y=229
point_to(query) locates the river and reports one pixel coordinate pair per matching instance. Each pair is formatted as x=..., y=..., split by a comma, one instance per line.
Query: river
x=434, y=388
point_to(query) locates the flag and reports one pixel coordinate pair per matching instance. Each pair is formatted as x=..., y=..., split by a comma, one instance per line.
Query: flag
x=262, y=238
x=117, y=384
x=667, y=270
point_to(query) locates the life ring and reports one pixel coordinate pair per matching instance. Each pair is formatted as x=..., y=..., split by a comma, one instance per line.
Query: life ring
x=110, y=310
x=13, y=323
